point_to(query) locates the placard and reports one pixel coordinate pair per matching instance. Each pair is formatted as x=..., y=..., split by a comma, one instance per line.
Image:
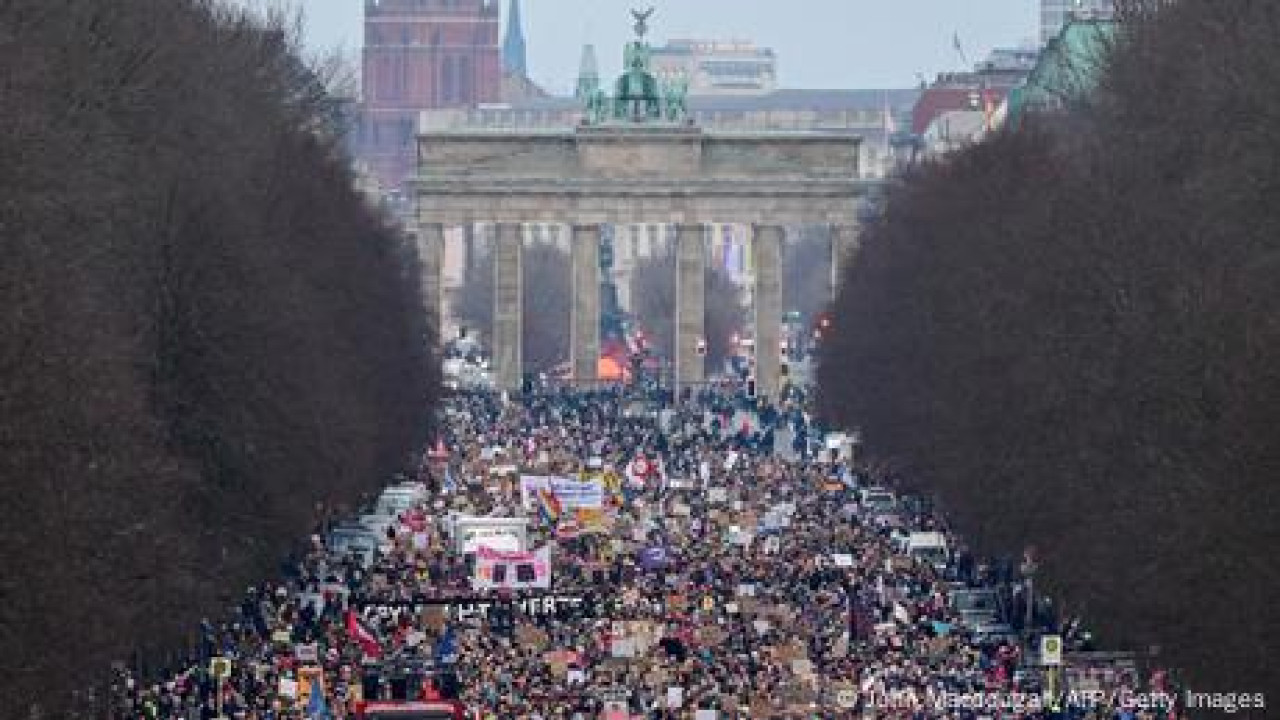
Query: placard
x=512, y=570
x=569, y=494
x=675, y=697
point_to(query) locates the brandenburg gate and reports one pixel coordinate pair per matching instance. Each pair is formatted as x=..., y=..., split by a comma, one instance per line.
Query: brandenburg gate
x=635, y=158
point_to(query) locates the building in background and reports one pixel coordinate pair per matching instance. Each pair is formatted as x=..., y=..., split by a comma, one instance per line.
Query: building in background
x=514, y=59
x=959, y=108
x=419, y=55
x=1055, y=14
x=716, y=67
x=723, y=98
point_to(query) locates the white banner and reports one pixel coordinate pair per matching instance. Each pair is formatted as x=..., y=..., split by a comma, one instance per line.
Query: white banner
x=571, y=493
x=512, y=570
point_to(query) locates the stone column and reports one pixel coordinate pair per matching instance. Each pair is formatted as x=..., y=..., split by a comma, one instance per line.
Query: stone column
x=691, y=271
x=508, y=306
x=844, y=245
x=584, y=322
x=431, y=252
x=766, y=248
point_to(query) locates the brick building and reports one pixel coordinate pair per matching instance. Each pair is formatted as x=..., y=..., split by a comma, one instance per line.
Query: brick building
x=420, y=55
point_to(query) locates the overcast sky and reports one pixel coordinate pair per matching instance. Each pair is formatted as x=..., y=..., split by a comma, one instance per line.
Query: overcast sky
x=819, y=43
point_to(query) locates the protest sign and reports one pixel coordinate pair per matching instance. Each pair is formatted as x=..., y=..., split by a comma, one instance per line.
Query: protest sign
x=569, y=493
x=470, y=533
x=309, y=653
x=675, y=697
x=462, y=609
x=655, y=557
x=512, y=570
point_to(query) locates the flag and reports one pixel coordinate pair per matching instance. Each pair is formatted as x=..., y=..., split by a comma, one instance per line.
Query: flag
x=450, y=484
x=363, y=636
x=447, y=647
x=639, y=471
x=549, y=506
x=317, y=706
x=955, y=43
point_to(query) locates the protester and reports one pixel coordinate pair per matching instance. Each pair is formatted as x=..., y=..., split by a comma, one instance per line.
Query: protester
x=709, y=566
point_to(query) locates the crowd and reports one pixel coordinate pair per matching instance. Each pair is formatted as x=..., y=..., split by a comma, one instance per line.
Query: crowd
x=720, y=576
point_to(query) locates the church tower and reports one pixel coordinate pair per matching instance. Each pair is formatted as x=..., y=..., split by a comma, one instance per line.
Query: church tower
x=514, y=61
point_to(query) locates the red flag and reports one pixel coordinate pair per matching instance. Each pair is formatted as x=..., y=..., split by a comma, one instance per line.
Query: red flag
x=363, y=636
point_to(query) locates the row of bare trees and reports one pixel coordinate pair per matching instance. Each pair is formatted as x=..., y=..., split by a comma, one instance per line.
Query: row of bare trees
x=653, y=299
x=203, y=329
x=546, y=297
x=1071, y=333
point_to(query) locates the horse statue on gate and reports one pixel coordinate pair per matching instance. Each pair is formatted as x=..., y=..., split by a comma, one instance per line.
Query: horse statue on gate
x=637, y=96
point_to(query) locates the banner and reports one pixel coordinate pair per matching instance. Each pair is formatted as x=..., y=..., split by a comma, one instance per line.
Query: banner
x=569, y=494
x=593, y=521
x=472, y=533
x=512, y=570
x=459, y=609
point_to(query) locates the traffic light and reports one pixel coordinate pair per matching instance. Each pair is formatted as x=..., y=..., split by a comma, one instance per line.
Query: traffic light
x=702, y=347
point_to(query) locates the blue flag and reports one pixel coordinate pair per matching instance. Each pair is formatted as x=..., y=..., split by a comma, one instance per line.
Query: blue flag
x=317, y=706
x=447, y=647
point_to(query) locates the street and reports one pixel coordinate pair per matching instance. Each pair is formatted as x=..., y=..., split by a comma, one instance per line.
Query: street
x=561, y=558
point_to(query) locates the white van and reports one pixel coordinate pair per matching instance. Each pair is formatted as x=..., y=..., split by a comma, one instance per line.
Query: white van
x=929, y=547
x=398, y=498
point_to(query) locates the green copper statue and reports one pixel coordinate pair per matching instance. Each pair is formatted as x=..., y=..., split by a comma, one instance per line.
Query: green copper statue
x=674, y=91
x=638, y=96
x=642, y=21
x=598, y=107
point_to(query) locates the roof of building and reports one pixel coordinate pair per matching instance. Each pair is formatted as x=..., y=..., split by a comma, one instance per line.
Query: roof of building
x=1069, y=65
x=936, y=100
x=794, y=99
x=711, y=47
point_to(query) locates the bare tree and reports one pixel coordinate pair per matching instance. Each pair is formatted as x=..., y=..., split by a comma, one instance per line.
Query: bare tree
x=205, y=331
x=1069, y=333
x=545, y=328
x=653, y=292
